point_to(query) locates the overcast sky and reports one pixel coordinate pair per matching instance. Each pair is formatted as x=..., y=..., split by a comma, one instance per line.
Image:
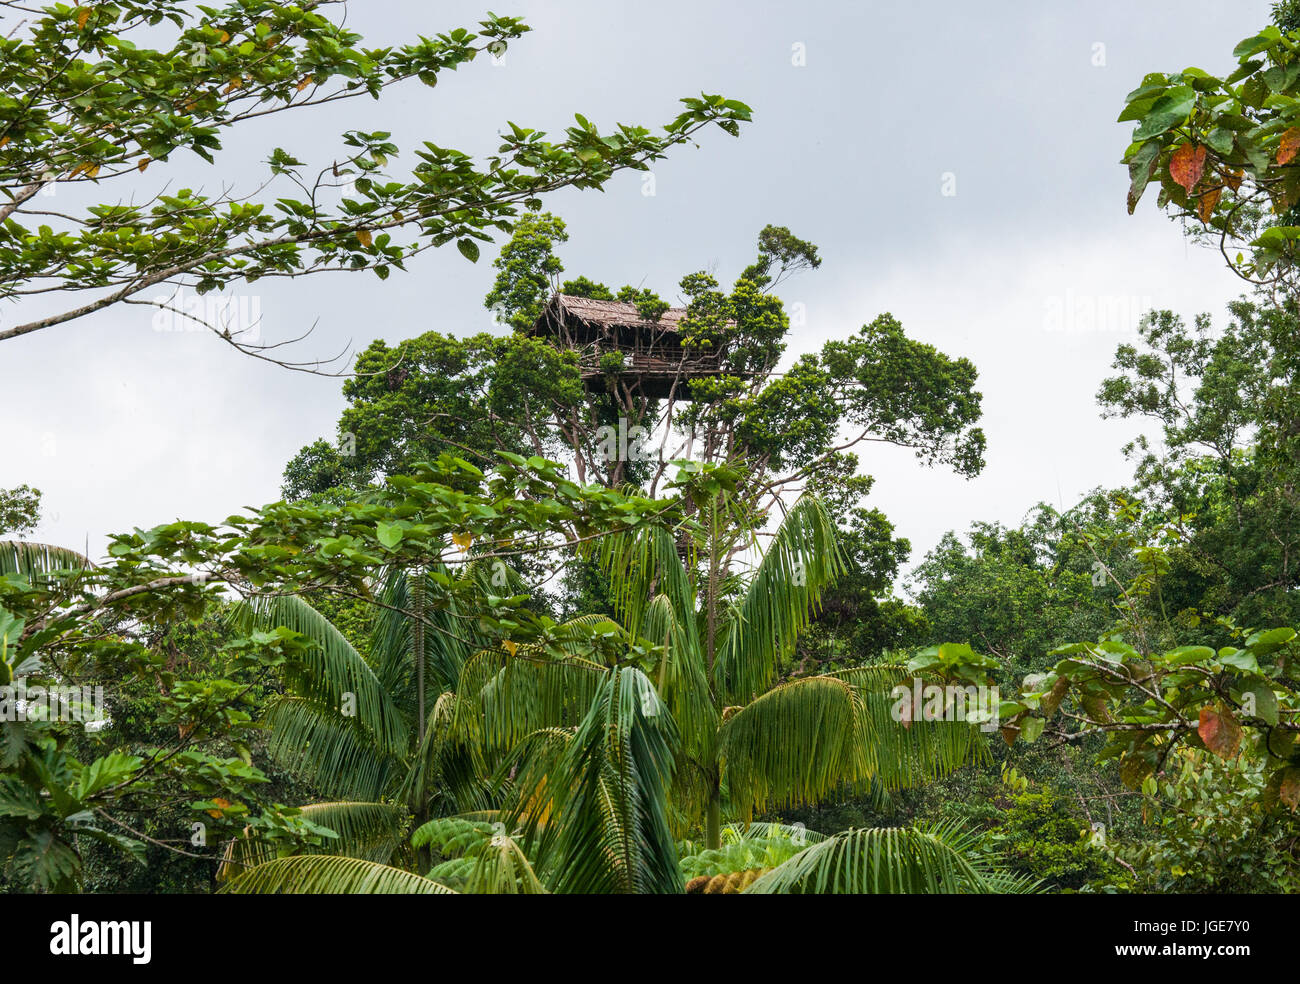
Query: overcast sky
x=865, y=115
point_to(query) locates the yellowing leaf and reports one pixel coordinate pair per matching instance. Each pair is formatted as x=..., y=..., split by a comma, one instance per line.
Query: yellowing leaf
x=236, y=83
x=511, y=647
x=1288, y=790
x=366, y=237
x=1133, y=768
x=1186, y=165
x=1095, y=707
x=304, y=83
x=462, y=540
x=142, y=163
x=1233, y=178
x=83, y=15
x=224, y=37
x=1206, y=203
x=3, y=141
x=1288, y=146
x=1053, y=699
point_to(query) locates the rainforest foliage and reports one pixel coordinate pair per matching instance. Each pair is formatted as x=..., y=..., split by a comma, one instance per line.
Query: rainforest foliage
x=480, y=647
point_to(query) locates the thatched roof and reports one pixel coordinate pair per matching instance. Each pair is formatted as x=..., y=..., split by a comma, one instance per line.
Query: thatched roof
x=608, y=314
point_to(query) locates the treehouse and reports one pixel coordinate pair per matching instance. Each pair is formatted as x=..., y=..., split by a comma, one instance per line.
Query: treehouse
x=654, y=362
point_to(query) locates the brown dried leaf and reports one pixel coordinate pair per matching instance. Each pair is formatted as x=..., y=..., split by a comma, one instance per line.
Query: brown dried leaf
x=1186, y=165
x=1205, y=205
x=1133, y=769
x=1053, y=699
x=1288, y=146
x=1289, y=790
x=1220, y=732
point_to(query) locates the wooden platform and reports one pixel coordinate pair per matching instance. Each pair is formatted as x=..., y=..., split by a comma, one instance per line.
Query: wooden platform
x=653, y=356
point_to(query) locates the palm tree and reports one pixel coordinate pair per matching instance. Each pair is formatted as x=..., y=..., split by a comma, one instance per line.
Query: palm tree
x=773, y=859
x=350, y=724
x=752, y=740
x=713, y=644
x=584, y=749
x=370, y=731
x=584, y=810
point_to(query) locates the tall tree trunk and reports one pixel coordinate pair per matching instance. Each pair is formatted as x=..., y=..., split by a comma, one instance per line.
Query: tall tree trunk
x=713, y=821
x=415, y=581
x=417, y=647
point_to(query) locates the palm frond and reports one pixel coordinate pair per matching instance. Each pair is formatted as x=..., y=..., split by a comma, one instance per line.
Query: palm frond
x=605, y=798
x=644, y=563
x=502, y=698
x=390, y=636
x=874, y=677
x=330, y=750
x=40, y=563
x=481, y=858
x=494, y=576
x=447, y=773
x=905, y=754
x=798, y=833
x=783, y=596
x=332, y=669
x=369, y=831
x=796, y=744
x=884, y=861
x=323, y=874
x=681, y=678
x=587, y=637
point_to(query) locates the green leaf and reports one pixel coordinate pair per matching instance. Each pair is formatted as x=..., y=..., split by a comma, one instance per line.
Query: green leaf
x=1220, y=140
x=1189, y=654
x=105, y=772
x=1270, y=640
x=1241, y=660
x=389, y=534
x=1260, y=42
x=1167, y=112
x=1139, y=170
x=1265, y=703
